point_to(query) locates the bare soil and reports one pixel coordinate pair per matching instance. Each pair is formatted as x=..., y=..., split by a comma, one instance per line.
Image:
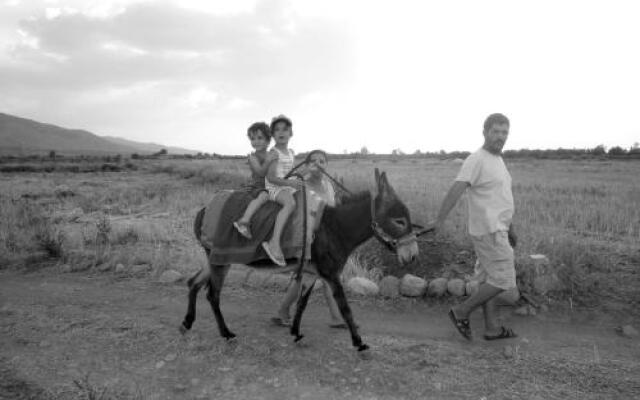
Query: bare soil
x=98, y=336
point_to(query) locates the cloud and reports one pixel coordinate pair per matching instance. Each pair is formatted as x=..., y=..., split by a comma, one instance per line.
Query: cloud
x=175, y=58
x=247, y=54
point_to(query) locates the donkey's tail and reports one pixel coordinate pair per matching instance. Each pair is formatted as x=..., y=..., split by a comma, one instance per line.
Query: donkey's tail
x=197, y=224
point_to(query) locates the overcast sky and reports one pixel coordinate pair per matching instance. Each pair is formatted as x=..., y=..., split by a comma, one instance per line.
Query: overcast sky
x=387, y=74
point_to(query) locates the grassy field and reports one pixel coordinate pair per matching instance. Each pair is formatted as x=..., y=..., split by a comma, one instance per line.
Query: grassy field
x=584, y=215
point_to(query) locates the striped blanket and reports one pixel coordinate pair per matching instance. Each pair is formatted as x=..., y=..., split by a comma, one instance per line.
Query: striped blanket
x=228, y=246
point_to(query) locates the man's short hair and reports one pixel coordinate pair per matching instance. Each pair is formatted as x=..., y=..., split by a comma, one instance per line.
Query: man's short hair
x=495, y=119
x=260, y=127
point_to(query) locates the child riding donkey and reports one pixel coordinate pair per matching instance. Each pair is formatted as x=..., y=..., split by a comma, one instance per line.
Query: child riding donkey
x=278, y=163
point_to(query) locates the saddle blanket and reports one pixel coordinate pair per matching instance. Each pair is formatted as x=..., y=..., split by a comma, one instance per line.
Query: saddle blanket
x=227, y=246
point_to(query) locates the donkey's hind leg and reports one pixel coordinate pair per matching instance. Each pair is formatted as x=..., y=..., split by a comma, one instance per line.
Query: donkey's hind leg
x=218, y=273
x=195, y=283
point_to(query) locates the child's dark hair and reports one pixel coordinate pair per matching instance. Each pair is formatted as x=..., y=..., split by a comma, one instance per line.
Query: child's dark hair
x=314, y=152
x=260, y=127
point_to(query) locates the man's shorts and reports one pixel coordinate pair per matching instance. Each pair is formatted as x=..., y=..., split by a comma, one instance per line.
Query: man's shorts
x=495, y=264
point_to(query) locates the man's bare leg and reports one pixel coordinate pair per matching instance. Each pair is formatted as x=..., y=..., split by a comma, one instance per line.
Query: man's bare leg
x=485, y=293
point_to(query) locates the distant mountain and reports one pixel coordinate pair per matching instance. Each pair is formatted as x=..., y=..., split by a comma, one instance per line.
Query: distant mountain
x=20, y=136
x=148, y=147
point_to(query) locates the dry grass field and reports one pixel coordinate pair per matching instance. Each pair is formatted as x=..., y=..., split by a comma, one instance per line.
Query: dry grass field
x=584, y=215
x=106, y=334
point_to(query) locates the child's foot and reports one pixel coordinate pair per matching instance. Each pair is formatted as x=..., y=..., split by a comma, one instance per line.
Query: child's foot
x=243, y=229
x=274, y=254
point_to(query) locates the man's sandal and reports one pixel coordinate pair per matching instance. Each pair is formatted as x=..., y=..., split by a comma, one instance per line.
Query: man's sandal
x=505, y=333
x=462, y=325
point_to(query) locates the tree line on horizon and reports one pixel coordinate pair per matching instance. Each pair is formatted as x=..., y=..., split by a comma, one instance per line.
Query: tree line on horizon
x=600, y=151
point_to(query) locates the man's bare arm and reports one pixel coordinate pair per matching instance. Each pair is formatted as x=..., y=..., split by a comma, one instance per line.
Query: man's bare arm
x=450, y=200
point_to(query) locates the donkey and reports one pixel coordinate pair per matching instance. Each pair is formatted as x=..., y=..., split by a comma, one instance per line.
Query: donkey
x=341, y=230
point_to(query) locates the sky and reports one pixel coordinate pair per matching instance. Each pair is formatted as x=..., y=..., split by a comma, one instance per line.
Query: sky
x=395, y=74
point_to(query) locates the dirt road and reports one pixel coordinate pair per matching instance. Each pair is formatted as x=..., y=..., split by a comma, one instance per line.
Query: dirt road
x=119, y=337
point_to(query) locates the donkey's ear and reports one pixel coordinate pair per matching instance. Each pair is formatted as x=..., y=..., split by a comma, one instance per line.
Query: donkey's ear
x=377, y=173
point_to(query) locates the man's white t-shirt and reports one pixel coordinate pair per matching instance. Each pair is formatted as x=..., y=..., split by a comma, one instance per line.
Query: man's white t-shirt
x=489, y=195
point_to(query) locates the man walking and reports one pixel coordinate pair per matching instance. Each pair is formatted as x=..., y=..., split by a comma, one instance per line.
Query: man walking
x=488, y=185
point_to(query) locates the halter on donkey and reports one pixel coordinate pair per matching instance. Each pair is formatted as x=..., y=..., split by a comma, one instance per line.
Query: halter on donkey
x=341, y=230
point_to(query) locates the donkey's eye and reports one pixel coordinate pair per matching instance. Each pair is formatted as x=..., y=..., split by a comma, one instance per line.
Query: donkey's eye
x=400, y=222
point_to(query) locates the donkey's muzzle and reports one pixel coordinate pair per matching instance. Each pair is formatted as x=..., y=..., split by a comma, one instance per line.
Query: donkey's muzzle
x=407, y=250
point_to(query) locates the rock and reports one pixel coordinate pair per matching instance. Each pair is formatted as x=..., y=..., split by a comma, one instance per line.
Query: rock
x=507, y=351
x=140, y=269
x=412, y=286
x=170, y=357
x=532, y=310
x=65, y=268
x=522, y=311
x=545, y=283
x=629, y=331
x=63, y=191
x=456, y=287
x=195, y=381
x=471, y=288
x=390, y=287
x=437, y=287
x=170, y=276
x=159, y=364
x=179, y=388
x=104, y=267
x=540, y=258
x=120, y=268
x=363, y=286
x=509, y=297
x=45, y=343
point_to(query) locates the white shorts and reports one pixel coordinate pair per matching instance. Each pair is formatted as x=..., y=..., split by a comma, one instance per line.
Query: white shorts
x=495, y=264
x=274, y=191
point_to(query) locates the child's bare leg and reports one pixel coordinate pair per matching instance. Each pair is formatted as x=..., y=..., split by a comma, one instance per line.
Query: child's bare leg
x=336, y=317
x=253, y=207
x=289, y=298
x=285, y=198
x=242, y=225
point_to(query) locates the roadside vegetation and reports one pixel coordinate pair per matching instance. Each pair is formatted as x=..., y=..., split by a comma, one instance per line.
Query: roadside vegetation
x=584, y=215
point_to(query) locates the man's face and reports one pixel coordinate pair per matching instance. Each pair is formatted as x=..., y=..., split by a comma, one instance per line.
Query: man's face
x=258, y=140
x=495, y=138
x=281, y=133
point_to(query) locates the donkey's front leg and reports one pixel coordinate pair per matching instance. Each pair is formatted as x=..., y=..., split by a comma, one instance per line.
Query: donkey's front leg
x=218, y=273
x=345, y=310
x=195, y=283
x=303, y=299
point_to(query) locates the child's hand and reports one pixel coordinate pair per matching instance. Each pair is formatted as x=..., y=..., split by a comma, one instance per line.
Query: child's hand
x=271, y=156
x=296, y=184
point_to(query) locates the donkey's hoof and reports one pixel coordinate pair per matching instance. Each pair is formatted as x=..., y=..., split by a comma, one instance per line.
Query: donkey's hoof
x=229, y=336
x=298, y=338
x=183, y=329
x=363, y=347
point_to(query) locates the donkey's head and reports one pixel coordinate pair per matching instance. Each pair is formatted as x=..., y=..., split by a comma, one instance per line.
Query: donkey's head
x=391, y=221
